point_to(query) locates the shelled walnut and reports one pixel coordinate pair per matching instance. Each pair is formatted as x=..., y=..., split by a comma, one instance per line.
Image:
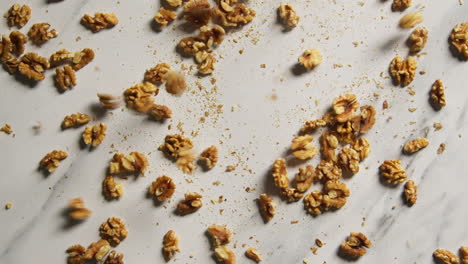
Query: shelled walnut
x=334, y=195
x=33, y=66
x=345, y=106
x=65, y=78
x=94, y=135
x=6, y=128
x=170, y=245
x=133, y=162
x=111, y=189
x=349, y=160
x=174, y=3
x=328, y=170
x=156, y=74
x=75, y=120
x=52, y=160
x=239, y=15
x=6, y=47
x=109, y=101
x=174, y=145
x=355, y=244
x=253, y=254
x=415, y=145
x=446, y=256
x=76, y=254
x=162, y=188
x=206, y=66
x=288, y=16
x=417, y=40
x=190, y=46
x=311, y=125
x=403, y=71
x=219, y=235
x=464, y=254
x=410, y=192
x=100, y=21
x=392, y=172
x=175, y=82
x=367, y=118
x=410, y=20
x=267, y=206
x=291, y=194
x=82, y=58
x=328, y=145
x=437, y=94
x=164, y=16
x=225, y=255
x=140, y=96
x=459, y=39
x=12, y=64
x=113, y=230
x=279, y=173
x=160, y=112
x=302, y=149
x=97, y=250
x=190, y=204
x=61, y=56
x=114, y=258
x=77, y=209
x=304, y=178
x=313, y=202
x=211, y=35
x=18, y=15
x=39, y=33
x=197, y=12
x=209, y=157
x=400, y=5
x=362, y=147
x=310, y=59
x=18, y=41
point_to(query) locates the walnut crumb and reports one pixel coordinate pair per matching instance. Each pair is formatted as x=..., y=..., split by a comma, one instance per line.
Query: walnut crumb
x=225, y=255
x=310, y=59
x=392, y=172
x=77, y=209
x=459, y=39
x=39, y=33
x=403, y=71
x=114, y=258
x=410, y=192
x=190, y=204
x=438, y=95
x=355, y=244
x=33, y=66
x=94, y=135
x=288, y=16
x=415, y=145
x=253, y=254
x=446, y=256
x=162, y=188
x=417, y=40
x=175, y=82
x=75, y=120
x=437, y=126
x=219, y=235
x=164, y=16
x=319, y=243
x=97, y=250
x=140, y=96
x=160, y=112
x=8, y=206
x=18, y=15
x=267, y=206
x=111, y=189
x=113, y=230
x=170, y=245
x=65, y=78
x=209, y=157
x=6, y=129
x=410, y=20
x=302, y=149
x=109, y=101
x=100, y=21
x=133, y=162
x=400, y=5
x=52, y=160
x=156, y=74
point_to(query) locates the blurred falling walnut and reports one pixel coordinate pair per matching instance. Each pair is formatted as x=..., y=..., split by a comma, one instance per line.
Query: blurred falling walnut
x=18, y=15
x=52, y=160
x=400, y=5
x=162, y=188
x=94, y=135
x=97, y=251
x=253, y=254
x=355, y=245
x=77, y=209
x=114, y=258
x=76, y=254
x=224, y=255
x=175, y=82
x=310, y=59
x=100, y=21
x=160, y=112
x=410, y=20
x=302, y=148
x=190, y=204
x=219, y=235
x=198, y=12
x=109, y=101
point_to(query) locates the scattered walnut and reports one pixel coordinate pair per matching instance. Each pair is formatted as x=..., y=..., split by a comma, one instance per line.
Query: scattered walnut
x=94, y=135
x=219, y=234
x=191, y=46
x=164, y=16
x=109, y=101
x=33, y=66
x=349, y=160
x=313, y=202
x=225, y=255
x=75, y=120
x=438, y=95
x=304, y=178
x=133, y=162
x=211, y=35
x=459, y=39
x=345, y=106
x=207, y=65
x=362, y=147
x=319, y=243
x=197, y=12
x=417, y=40
x=446, y=256
x=410, y=20
x=52, y=160
x=114, y=258
x=175, y=82
x=403, y=71
x=139, y=97
x=267, y=206
x=77, y=209
x=354, y=245
x=415, y=145
x=392, y=172
x=18, y=41
x=464, y=254
x=39, y=33
x=253, y=254
x=162, y=188
x=334, y=194
x=441, y=148
x=312, y=125
x=160, y=112
x=170, y=245
x=6, y=47
x=174, y=145
x=327, y=170
x=287, y=15
x=100, y=21
x=61, y=56
x=301, y=147
x=400, y=5
x=6, y=129
x=12, y=64
x=82, y=58
x=18, y=15
x=310, y=59
x=113, y=230
x=76, y=254
x=65, y=78
x=280, y=174
x=97, y=250
x=291, y=194
x=111, y=189
x=328, y=144
x=190, y=204
x=240, y=15
x=367, y=118
x=209, y=157
x=410, y=192
x=156, y=74
x=174, y=3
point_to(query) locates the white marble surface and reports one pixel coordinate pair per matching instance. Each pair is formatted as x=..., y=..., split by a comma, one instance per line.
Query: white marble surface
x=258, y=129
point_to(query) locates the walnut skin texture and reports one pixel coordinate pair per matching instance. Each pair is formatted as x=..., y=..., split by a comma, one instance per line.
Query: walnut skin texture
x=100, y=21
x=392, y=172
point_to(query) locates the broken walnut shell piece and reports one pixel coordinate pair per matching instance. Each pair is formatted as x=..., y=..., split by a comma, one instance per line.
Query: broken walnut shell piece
x=190, y=204
x=310, y=59
x=77, y=209
x=459, y=39
x=170, y=245
x=100, y=21
x=219, y=235
x=345, y=107
x=415, y=145
x=109, y=101
x=266, y=206
x=33, y=66
x=355, y=244
x=162, y=188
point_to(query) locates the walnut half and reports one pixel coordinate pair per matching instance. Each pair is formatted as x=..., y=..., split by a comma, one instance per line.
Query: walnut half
x=288, y=16
x=415, y=145
x=111, y=189
x=76, y=254
x=437, y=94
x=75, y=120
x=459, y=39
x=94, y=135
x=113, y=230
x=133, y=162
x=33, y=66
x=162, y=188
x=190, y=204
x=253, y=254
x=417, y=40
x=225, y=255
x=410, y=192
x=267, y=206
x=355, y=244
x=310, y=59
x=170, y=245
x=219, y=235
x=65, y=78
x=209, y=157
x=392, y=172
x=446, y=256
x=52, y=160
x=18, y=15
x=279, y=173
x=100, y=21
x=403, y=71
x=302, y=149
x=39, y=33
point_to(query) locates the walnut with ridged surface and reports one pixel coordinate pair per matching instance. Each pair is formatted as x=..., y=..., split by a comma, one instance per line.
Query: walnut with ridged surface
x=191, y=46
x=459, y=39
x=174, y=145
x=140, y=96
x=164, y=16
x=362, y=147
x=291, y=194
x=197, y=12
x=112, y=189
x=225, y=255
x=6, y=128
x=304, y=178
x=170, y=245
x=400, y=5
x=464, y=254
x=288, y=16
x=18, y=15
x=345, y=107
x=156, y=74
x=100, y=21
x=162, y=188
x=310, y=59
x=240, y=15
x=190, y=204
x=267, y=206
x=403, y=71
x=446, y=256
x=75, y=120
x=280, y=174
x=82, y=58
x=133, y=162
x=328, y=145
x=301, y=147
x=76, y=254
x=61, y=56
x=97, y=250
x=311, y=125
x=313, y=202
x=39, y=33
x=52, y=160
x=354, y=246
x=12, y=64
x=209, y=157
x=33, y=66
x=410, y=192
x=113, y=230
x=174, y=3
x=328, y=170
x=6, y=48
x=349, y=160
x=160, y=112
x=114, y=258
x=211, y=35
x=219, y=235
x=206, y=66
x=392, y=172
x=18, y=41
x=415, y=145
x=334, y=195
x=65, y=78
x=417, y=40
x=437, y=94
x=367, y=119
x=94, y=135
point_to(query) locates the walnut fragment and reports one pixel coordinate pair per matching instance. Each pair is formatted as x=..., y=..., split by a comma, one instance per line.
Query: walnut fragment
x=94, y=135
x=190, y=204
x=97, y=250
x=392, y=172
x=313, y=202
x=279, y=173
x=459, y=39
x=162, y=188
x=304, y=178
x=310, y=59
x=52, y=160
x=311, y=125
x=417, y=40
x=18, y=15
x=160, y=112
x=164, y=16
x=18, y=41
x=446, y=256
x=113, y=230
x=209, y=157
x=355, y=244
x=288, y=16
x=39, y=33
x=60, y=56
x=175, y=145
x=75, y=120
x=253, y=254
x=100, y=21
x=156, y=74
x=403, y=71
x=65, y=78
x=267, y=206
x=334, y=195
x=112, y=189
x=345, y=107
x=114, y=258
x=464, y=254
x=225, y=255
x=170, y=245
x=302, y=149
x=437, y=95
x=77, y=209
x=33, y=66
x=415, y=145
x=328, y=144
x=236, y=16
x=219, y=235
x=362, y=147
x=349, y=160
x=410, y=192
x=82, y=58
x=197, y=12
x=6, y=128
x=133, y=162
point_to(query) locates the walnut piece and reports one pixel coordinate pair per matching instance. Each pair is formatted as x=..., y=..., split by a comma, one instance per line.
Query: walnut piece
x=225, y=255
x=302, y=149
x=162, y=188
x=97, y=250
x=459, y=39
x=133, y=162
x=170, y=245
x=328, y=170
x=52, y=160
x=18, y=41
x=291, y=194
x=186, y=161
x=267, y=206
x=240, y=15
x=400, y=5
x=18, y=15
x=464, y=254
x=415, y=145
x=39, y=33
x=111, y=189
x=65, y=78
x=114, y=258
x=174, y=145
x=209, y=157
x=174, y=3
x=354, y=245
x=94, y=135
x=113, y=230
x=328, y=144
x=253, y=254
x=61, y=56
x=156, y=74
x=109, y=101
x=175, y=82
x=410, y=192
x=197, y=12
x=139, y=97
x=417, y=40
x=280, y=174
x=392, y=172
x=219, y=235
x=287, y=15
x=190, y=204
x=312, y=125
x=12, y=64
x=6, y=128
x=410, y=20
x=304, y=178
x=77, y=209
x=349, y=160
x=362, y=147
x=345, y=107
x=313, y=202
x=206, y=66
x=438, y=95
x=334, y=195
x=446, y=256
x=6, y=48
x=160, y=112
x=190, y=46
x=164, y=16
x=75, y=120
x=310, y=59
x=33, y=66
x=100, y=21
x=82, y=58
x=367, y=118
x=76, y=254
x=403, y=71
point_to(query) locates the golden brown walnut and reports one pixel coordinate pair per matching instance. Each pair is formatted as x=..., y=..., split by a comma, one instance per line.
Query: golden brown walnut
x=18, y=41
x=334, y=195
x=287, y=15
x=97, y=250
x=328, y=145
x=6, y=47
x=175, y=82
x=327, y=170
x=207, y=65
x=61, y=56
x=313, y=202
x=75, y=120
x=225, y=255
x=446, y=256
x=345, y=107
x=191, y=46
x=310, y=59
x=174, y=145
x=94, y=135
x=280, y=174
x=410, y=20
x=65, y=78
x=367, y=118
x=12, y=64
x=302, y=149
x=417, y=40
x=253, y=254
x=291, y=194
x=111, y=189
x=304, y=178
x=211, y=35
x=459, y=39
x=311, y=125
x=174, y=3
x=267, y=206
x=400, y=5
x=164, y=16
x=140, y=96
x=52, y=160
x=355, y=244
x=190, y=204
x=415, y=145
x=392, y=172
x=464, y=254
x=349, y=160
x=438, y=95
x=77, y=209
x=162, y=188
x=82, y=58
x=156, y=74
x=219, y=235
x=113, y=230
x=160, y=112
x=133, y=162
x=170, y=245
x=33, y=66
x=410, y=192
x=18, y=15
x=186, y=161
x=39, y=33
x=6, y=129
x=240, y=15
x=114, y=258
x=403, y=71
x=362, y=147
x=109, y=101
x=209, y=157
x=76, y=254
x=197, y=12
x=100, y=21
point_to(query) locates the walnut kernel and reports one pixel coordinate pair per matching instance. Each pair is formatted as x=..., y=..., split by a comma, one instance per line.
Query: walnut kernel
x=219, y=235
x=225, y=255
x=302, y=149
x=76, y=254
x=100, y=21
x=162, y=188
x=345, y=106
x=304, y=178
x=410, y=192
x=18, y=41
x=310, y=59
x=206, y=66
x=362, y=147
x=253, y=254
x=367, y=118
x=133, y=162
x=113, y=230
x=392, y=172
x=6, y=128
x=160, y=112
x=240, y=15
x=174, y=145
x=18, y=15
x=446, y=256
x=415, y=145
x=400, y=5
x=111, y=189
x=82, y=58
x=61, y=56
x=267, y=206
x=94, y=135
x=349, y=160
x=65, y=78
x=139, y=97
x=327, y=170
x=313, y=202
x=355, y=244
x=39, y=33
x=417, y=40
x=328, y=144
x=464, y=254
x=109, y=101
x=190, y=204
x=52, y=160
x=459, y=39
x=287, y=15
x=403, y=71
x=164, y=16
x=114, y=258
x=156, y=74
x=279, y=173
x=33, y=66
x=170, y=245
x=334, y=195
x=438, y=95
x=209, y=157
x=291, y=194
x=75, y=120
x=312, y=125
x=97, y=250
x=197, y=12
